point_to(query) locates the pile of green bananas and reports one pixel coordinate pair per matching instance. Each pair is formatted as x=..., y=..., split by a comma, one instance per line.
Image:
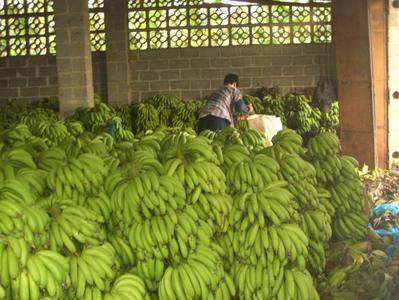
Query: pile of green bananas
x=266, y=249
x=165, y=106
x=337, y=174
x=164, y=111
x=300, y=115
x=53, y=238
x=295, y=112
x=167, y=214
x=186, y=114
x=313, y=201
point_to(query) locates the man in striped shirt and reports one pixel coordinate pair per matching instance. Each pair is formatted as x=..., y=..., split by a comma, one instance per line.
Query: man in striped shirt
x=218, y=110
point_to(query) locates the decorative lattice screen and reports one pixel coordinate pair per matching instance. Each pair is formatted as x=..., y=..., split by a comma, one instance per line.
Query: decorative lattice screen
x=26, y=27
x=97, y=25
x=194, y=23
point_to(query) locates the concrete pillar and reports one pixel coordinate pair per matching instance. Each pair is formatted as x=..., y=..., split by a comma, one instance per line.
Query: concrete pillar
x=74, y=65
x=393, y=75
x=378, y=44
x=357, y=66
x=117, y=51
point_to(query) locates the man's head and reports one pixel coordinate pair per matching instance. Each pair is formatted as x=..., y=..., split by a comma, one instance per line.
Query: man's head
x=231, y=79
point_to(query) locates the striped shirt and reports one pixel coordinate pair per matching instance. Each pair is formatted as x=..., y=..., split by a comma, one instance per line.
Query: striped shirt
x=221, y=103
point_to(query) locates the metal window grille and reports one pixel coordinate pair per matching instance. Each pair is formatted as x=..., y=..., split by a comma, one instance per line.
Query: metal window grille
x=97, y=25
x=26, y=27
x=155, y=24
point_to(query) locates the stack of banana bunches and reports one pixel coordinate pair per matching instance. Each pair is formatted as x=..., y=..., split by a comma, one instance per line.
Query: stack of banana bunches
x=171, y=215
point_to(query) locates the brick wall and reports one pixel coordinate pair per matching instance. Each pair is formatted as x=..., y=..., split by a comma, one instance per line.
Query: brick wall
x=194, y=73
x=100, y=74
x=188, y=73
x=30, y=78
x=393, y=79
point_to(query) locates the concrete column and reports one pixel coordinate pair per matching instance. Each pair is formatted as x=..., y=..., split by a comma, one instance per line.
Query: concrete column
x=393, y=75
x=378, y=45
x=353, y=62
x=74, y=65
x=117, y=51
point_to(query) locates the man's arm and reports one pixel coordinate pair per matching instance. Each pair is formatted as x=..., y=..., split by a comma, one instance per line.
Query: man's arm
x=240, y=106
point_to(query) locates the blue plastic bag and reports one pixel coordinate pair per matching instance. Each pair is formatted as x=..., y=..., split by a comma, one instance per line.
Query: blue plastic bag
x=111, y=128
x=393, y=232
x=381, y=209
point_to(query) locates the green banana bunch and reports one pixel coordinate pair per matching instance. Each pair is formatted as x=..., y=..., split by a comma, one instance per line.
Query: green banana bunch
x=165, y=106
x=123, y=112
x=286, y=141
x=51, y=158
x=231, y=154
x=75, y=128
x=276, y=280
x=72, y=225
x=255, y=102
x=122, y=134
x=53, y=131
x=23, y=221
x=330, y=120
x=34, y=179
x=328, y=169
x=323, y=145
x=149, y=143
x=274, y=105
x=47, y=271
x=228, y=136
x=253, y=139
x=187, y=147
x=11, y=112
x=17, y=158
x=195, y=278
x=300, y=116
x=184, y=115
x=242, y=125
x=144, y=116
x=123, y=250
x=16, y=133
x=215, y=209
x=94, y=267
x=84, y=174
x=127, y=287
x=13, y=258
x=93, y=118
x=352, y=225
x=295, y=169
x=15, y=190
x=151, y=272
x=99, y=203
x=252, y=174
x=198, y=177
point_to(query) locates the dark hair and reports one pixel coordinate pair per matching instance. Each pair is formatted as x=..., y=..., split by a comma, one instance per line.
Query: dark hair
x=230, y=78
